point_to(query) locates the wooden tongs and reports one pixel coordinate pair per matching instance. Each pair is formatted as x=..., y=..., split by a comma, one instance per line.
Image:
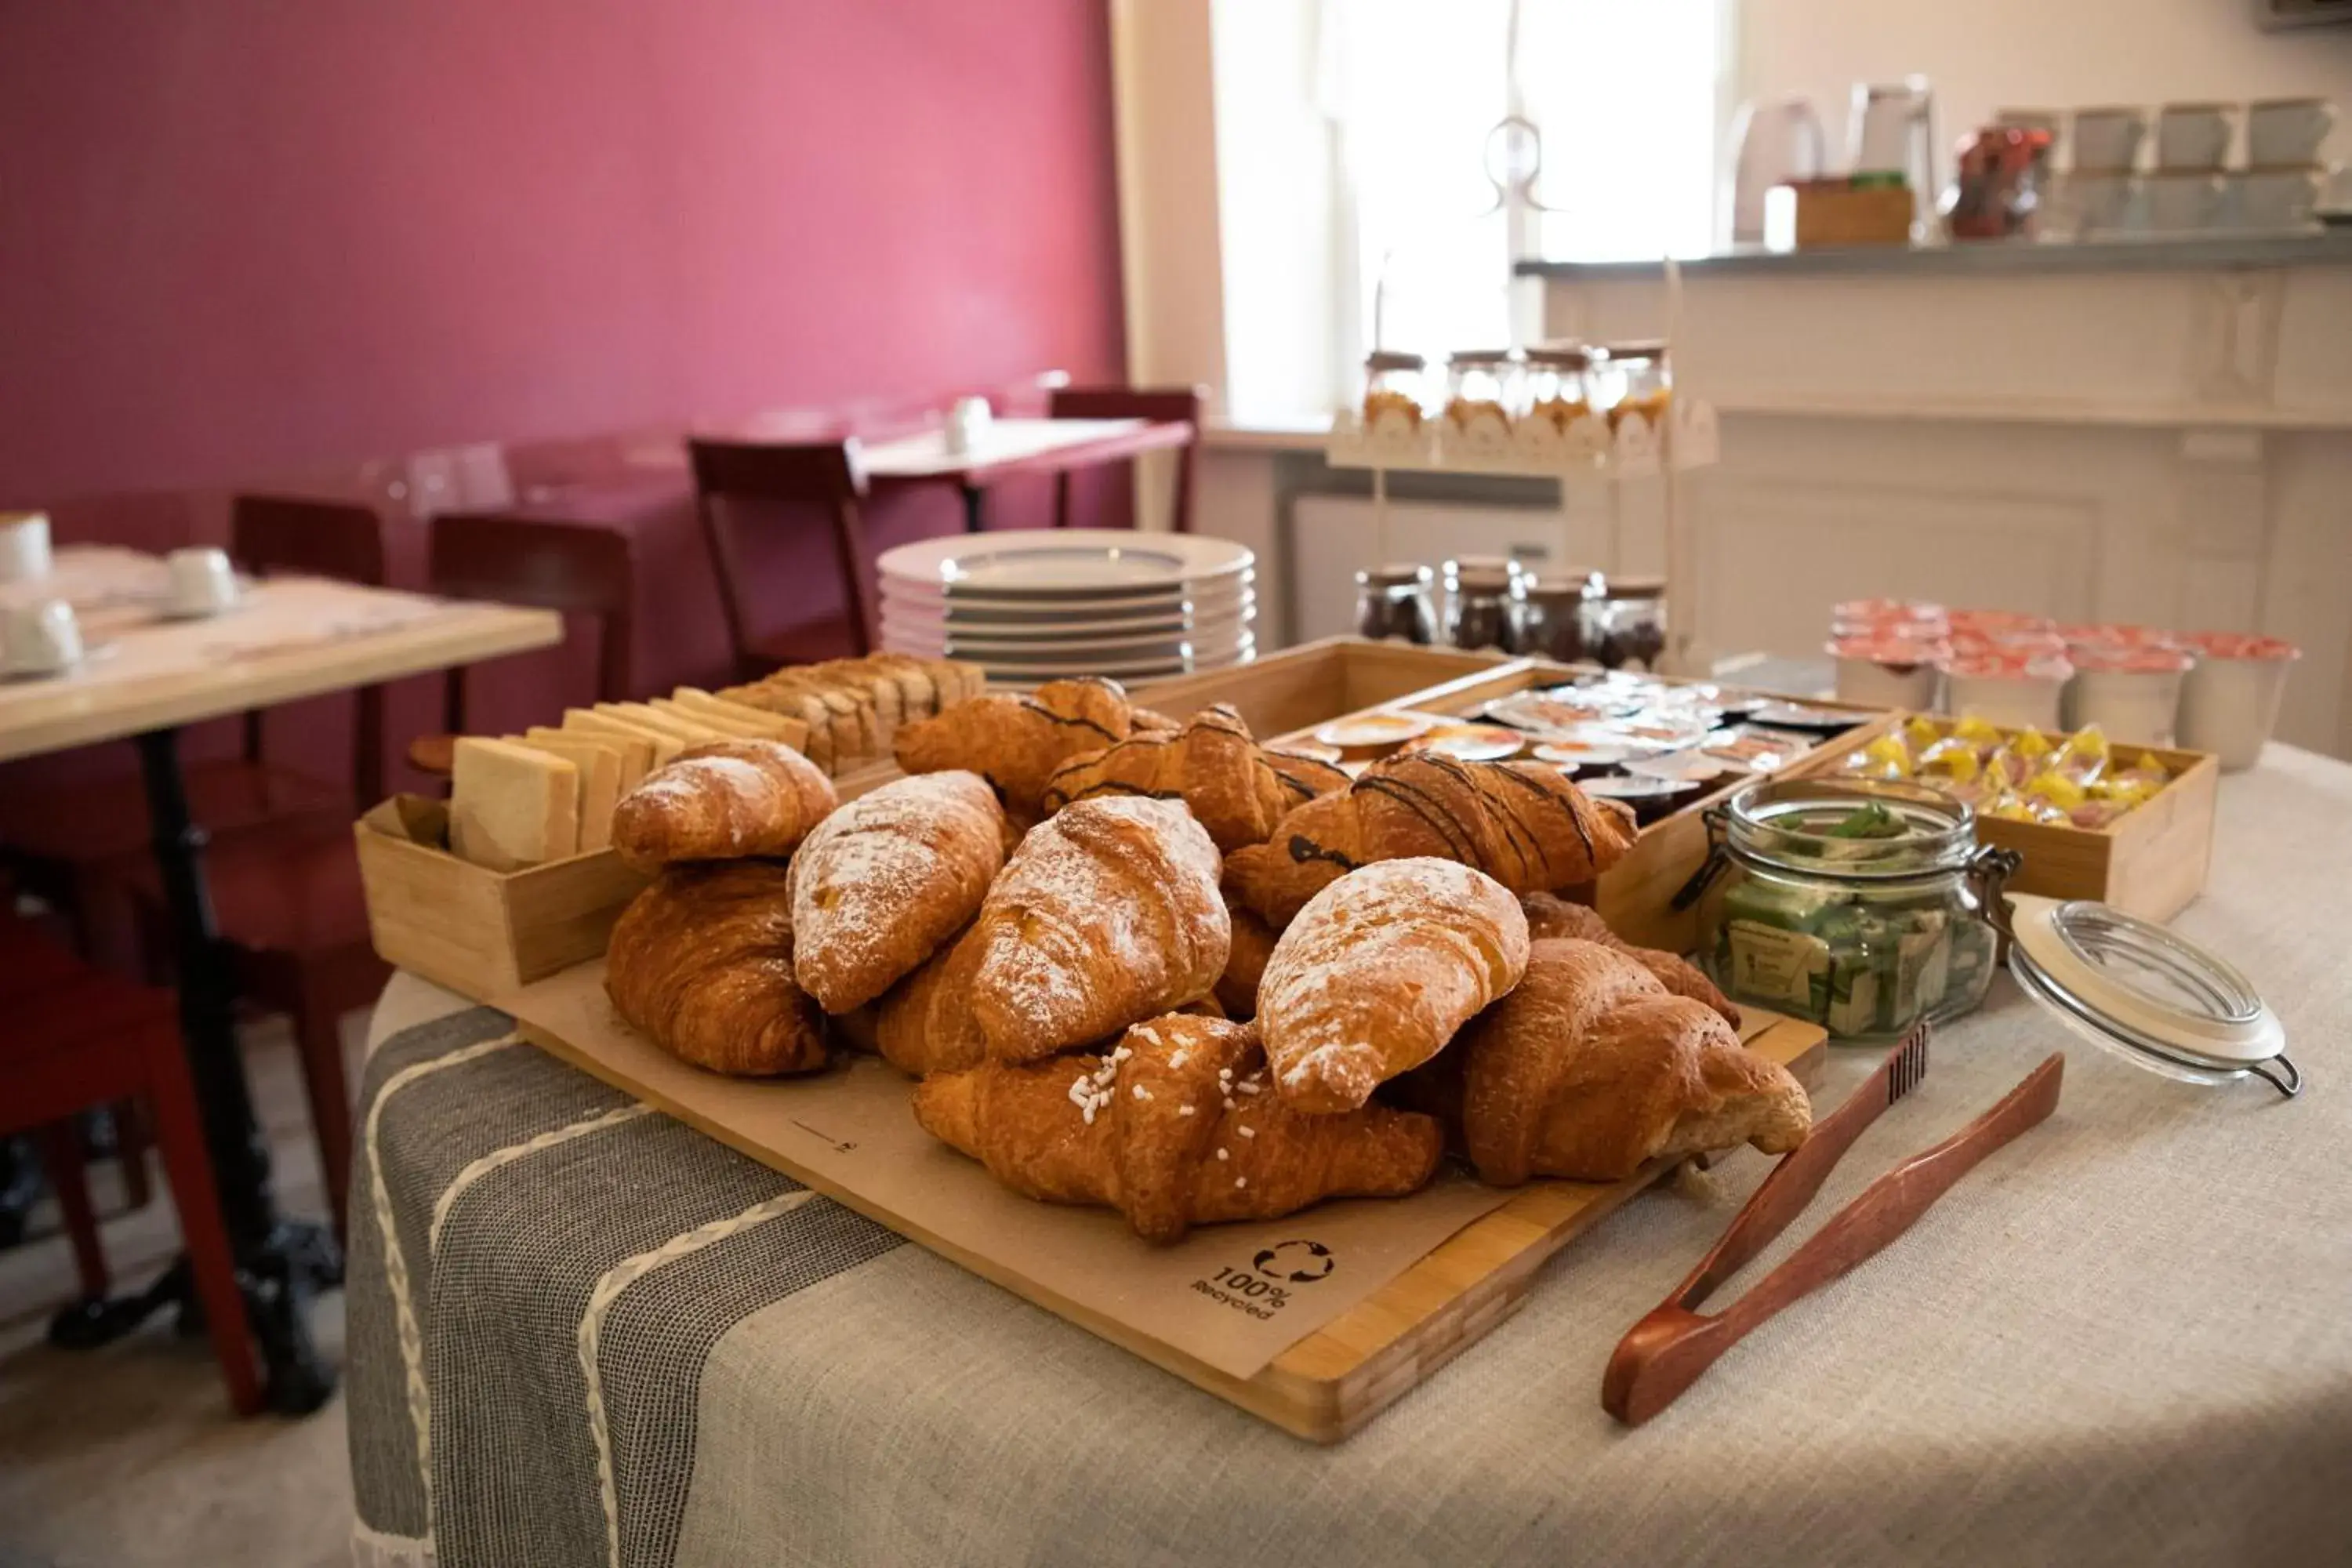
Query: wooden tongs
x=1666, y=1351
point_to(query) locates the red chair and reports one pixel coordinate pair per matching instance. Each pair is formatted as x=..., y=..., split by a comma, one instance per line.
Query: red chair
x=1164, y=404
x=802, y=481
x=575, y=568
x=76, y=1038
x=287, y=895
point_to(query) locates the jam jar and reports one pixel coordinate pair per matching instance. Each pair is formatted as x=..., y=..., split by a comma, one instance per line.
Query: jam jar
x=1551, y=615
x=1481, y=593
x=1394, y=384
x=1625, y=624
x=1394, y=603
x=1855, y=904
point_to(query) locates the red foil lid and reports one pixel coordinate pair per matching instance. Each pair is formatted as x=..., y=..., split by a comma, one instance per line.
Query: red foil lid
x=2244, y=644
x=2001, y=622
x=2111, y=634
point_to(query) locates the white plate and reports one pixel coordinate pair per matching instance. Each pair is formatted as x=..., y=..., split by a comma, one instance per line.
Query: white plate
x=1000, y=606
x=1134, y=650
x=1117, y=670
x=995, y=621
x=916, y=629
x=1063, y=562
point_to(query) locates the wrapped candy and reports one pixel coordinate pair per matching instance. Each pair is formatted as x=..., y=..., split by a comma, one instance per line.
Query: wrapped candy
x=2084, y=757
x=2023, y=777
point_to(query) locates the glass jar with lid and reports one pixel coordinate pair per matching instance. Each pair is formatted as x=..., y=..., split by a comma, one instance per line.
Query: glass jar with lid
x=1481, y=593
x=1552, y=615
x=1636, y=381
x=1393, y=603
x=1482, y=390
x=1870, y=908
x=1558, y=379
x=1625, y=623
x=1852, y=904
x=1395, y=385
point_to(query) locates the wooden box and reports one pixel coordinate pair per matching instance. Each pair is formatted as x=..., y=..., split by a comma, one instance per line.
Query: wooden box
x=477, y=931
x=1636, y=895
x=2151, y=861
x=1315, y=683
x=1807, y=214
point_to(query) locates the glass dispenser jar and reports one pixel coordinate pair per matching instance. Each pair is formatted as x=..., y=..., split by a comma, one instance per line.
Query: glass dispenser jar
x=1636, y=381
x=1394, y=603
x=1394, y=388
x=1559, y=384
x=1482, y=391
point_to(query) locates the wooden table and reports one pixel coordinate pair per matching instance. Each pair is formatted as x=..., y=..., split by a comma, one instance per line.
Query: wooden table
x=1009, y=448
x=146, y=678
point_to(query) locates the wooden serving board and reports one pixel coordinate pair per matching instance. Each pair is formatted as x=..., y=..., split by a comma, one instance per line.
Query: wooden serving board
x=1324, y=1385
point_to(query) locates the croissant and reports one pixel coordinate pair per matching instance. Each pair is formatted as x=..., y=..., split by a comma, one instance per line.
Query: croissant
x=1549, y=916
x=1015, y=742
x=924, y=1022
x=722, y=801
x=1171, y=1129
x=1379, y=971
x=1245, y=965
x=881, y=882
x=701, y=962
x=1523, y=824
x=1235, y=787
x=1150, y=722
x=1108, y=912
x=1590, y=1068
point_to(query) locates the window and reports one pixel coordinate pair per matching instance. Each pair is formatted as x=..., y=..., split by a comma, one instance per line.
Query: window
x=1387, y=190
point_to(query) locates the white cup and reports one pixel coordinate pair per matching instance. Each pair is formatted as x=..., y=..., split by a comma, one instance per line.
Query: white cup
x=2190, y=136
x=2183, y=203
x=968, y=424
x=41, y=638
x=2106, y=140
x=203, y=583
x=2285, y=133
x=2272, y=199
x=23, y=546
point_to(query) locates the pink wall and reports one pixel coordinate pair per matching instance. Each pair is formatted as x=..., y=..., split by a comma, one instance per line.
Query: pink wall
x=245, y=238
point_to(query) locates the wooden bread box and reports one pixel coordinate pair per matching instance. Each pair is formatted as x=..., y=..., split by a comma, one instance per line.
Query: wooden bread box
x=478, y=931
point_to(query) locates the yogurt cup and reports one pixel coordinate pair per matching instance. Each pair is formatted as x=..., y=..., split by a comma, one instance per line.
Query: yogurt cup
x=2015, y=690
x=1886, y=671
x=2229, y=701
x=2132, y=692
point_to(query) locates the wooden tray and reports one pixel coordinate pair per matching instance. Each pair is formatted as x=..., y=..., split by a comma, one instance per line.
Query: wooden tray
x=1326, y=1385
x=2150, y=862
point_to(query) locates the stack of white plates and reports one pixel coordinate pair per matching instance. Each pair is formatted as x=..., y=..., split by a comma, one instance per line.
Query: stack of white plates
x=1034, y=605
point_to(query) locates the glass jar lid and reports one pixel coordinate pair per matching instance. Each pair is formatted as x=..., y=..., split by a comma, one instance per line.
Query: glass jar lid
x=1635, y=349
x=2145, y=993
x=1636, y=588
x=1561, y=356
x=1393, y=359
x=1395, y=574
x=1481, y=357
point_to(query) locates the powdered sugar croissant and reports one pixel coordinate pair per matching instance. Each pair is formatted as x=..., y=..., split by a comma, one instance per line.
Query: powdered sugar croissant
x=1108, y=912
x=722, y=801
x=1237, y=788
x=1523, y=824
x=1172, y=1128
x=1377, y=974
x=886, y=878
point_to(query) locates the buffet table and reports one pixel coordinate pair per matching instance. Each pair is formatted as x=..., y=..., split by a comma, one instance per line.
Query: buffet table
x=581, y=1332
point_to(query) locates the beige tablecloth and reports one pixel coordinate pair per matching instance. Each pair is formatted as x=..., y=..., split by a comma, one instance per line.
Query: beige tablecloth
x=2126, y=1339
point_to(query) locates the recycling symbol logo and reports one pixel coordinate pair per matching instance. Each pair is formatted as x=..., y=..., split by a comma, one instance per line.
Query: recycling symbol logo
x=1300, y=1262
